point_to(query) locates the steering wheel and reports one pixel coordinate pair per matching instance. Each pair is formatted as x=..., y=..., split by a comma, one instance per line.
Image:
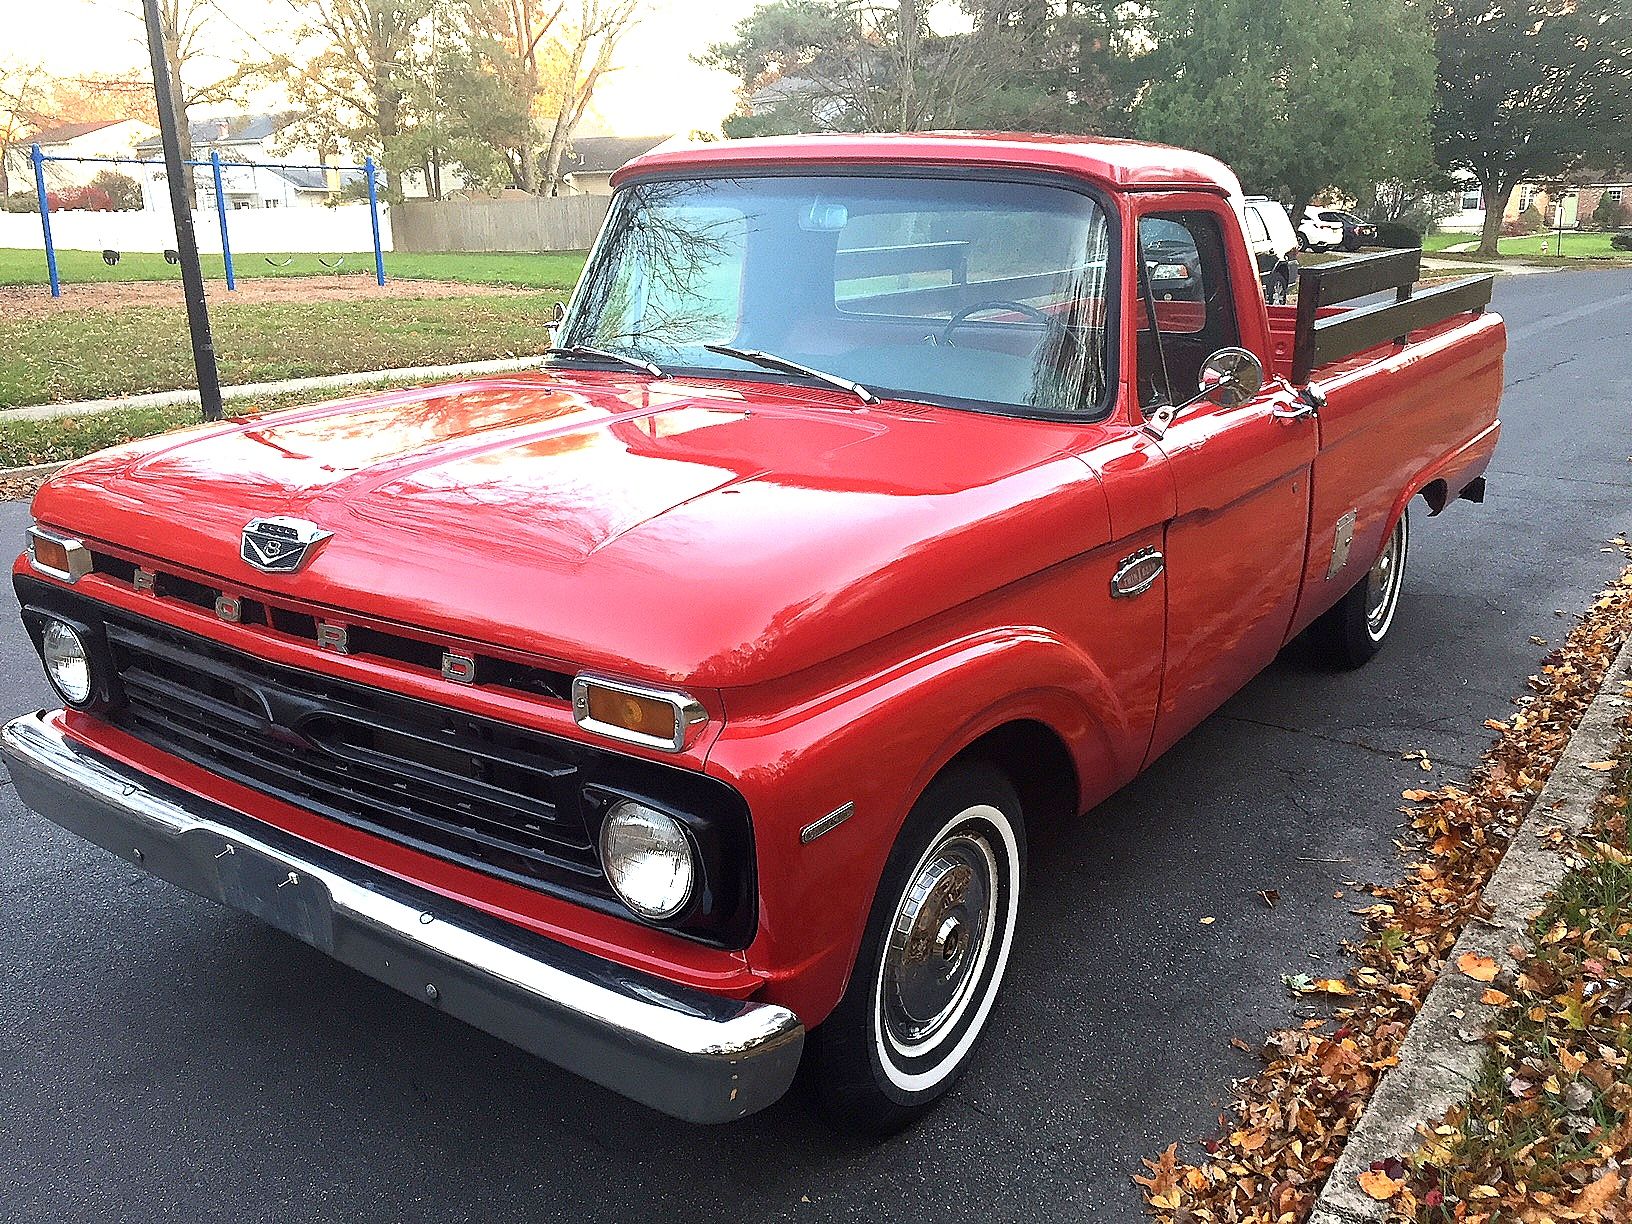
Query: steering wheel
x=962, y=317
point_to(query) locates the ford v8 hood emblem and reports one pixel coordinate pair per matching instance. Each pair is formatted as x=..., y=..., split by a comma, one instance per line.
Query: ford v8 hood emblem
x=280, y=545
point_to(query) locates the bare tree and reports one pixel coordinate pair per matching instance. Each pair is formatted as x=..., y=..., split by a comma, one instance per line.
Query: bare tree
x=590, y=45
x=24, y=89
x=189, y=34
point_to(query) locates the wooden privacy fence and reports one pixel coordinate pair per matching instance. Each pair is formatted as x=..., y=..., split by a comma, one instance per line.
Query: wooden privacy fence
x=543, y=223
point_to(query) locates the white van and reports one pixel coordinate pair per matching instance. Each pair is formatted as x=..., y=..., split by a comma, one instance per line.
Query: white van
x=1275, y=245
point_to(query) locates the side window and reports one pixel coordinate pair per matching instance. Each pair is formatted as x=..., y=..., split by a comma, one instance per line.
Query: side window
x=1185, y=284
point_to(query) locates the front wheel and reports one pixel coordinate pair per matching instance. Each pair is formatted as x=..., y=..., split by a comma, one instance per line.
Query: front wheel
x=938, y=939
x=1353, y=631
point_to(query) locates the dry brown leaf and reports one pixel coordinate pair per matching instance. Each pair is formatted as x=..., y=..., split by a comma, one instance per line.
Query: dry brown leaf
x=1380, y=1185
x=1477, y=965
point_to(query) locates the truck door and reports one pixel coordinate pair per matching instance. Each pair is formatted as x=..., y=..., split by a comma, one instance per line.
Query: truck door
x=1235, y=549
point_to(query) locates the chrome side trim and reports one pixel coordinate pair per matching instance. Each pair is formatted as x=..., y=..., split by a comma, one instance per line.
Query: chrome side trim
x=826, y=824
x=1137, y=573
x=688, y=712
x=680, y=1050
x=79, y=556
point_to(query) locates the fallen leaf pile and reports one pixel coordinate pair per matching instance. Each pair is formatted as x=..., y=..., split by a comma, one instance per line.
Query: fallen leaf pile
x=1547, y=1135
x=1287, y=1125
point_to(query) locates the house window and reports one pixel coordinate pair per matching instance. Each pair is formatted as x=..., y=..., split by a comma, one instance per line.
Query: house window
x=1472, y=199
x=1527, y=197
x=1614, y=193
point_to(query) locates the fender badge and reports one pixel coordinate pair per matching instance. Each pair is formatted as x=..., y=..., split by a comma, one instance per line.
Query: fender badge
x=1137, y=573
x=280, y=545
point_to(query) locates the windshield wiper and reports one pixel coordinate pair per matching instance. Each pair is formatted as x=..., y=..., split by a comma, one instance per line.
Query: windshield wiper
x=772, y=362
x=594, y=354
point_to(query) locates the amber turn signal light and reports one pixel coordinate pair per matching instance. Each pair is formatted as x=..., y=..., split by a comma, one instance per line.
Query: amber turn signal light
x=59, y=556
x=654, y=718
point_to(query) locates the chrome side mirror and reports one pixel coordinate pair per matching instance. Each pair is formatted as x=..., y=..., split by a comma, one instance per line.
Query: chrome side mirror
x=558, y=314
x=1229, y=378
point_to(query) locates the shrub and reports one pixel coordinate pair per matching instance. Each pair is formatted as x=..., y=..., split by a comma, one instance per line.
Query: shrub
x=21, y=202
x=88, y=198
x=1621, y=242
x=124, y=193
x=1531, y=220
x=1398, y=235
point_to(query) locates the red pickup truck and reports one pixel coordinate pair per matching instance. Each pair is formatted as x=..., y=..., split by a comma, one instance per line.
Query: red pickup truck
x=679, y=711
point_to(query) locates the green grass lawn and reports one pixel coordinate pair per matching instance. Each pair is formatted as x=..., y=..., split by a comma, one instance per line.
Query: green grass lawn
x=556, y=271
x=24, y=442
x=1576, y=246
x=74, y=354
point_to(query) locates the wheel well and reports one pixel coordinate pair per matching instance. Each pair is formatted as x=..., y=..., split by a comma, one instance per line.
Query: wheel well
x=1037, y=763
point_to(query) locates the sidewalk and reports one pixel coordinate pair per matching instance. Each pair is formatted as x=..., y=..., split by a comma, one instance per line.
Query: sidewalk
x=339, y=382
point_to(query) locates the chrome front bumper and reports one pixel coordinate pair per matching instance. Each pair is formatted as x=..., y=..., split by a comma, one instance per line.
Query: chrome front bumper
x=680, y=1050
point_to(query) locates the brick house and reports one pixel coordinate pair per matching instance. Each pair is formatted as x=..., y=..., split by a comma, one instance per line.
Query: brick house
x=1618, y=192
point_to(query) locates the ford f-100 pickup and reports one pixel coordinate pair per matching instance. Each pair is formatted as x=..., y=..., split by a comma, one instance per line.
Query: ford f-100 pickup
x=679, y=711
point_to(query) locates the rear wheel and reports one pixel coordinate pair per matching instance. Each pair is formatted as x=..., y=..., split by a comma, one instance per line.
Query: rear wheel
x=937, y=942
x=1353, y=631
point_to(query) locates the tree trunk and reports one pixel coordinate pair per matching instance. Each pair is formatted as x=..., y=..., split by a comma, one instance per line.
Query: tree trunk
x=1496, y=188
x=5, y=176
x=907, y=22
x=171, y=37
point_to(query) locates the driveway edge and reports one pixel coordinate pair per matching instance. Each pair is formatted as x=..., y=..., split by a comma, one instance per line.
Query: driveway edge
x=1444, y=1050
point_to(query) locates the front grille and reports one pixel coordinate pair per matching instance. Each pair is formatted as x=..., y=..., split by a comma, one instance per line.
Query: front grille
x=504, y=800
x=258, y=614
x=450, y=783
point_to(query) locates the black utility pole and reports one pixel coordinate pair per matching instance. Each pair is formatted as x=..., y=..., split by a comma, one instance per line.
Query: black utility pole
x=192, y=276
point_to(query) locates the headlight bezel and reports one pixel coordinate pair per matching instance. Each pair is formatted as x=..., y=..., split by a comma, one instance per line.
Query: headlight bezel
x=37, y=615
x=694, y=883
x=53, y=630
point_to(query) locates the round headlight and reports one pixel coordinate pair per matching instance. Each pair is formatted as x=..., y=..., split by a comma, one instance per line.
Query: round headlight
x=67, y=662
x=648, y=859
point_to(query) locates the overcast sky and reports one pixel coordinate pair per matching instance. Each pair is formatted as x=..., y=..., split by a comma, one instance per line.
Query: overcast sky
x=656, y=91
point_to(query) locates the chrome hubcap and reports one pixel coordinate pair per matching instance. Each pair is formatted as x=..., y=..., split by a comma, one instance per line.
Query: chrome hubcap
x=1383, y=583
x=942, y=930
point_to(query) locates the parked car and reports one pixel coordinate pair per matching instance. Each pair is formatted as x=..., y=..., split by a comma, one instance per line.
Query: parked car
x=1318, y=233
x=1357, y=232
x=1274, y=244
x=684, y=709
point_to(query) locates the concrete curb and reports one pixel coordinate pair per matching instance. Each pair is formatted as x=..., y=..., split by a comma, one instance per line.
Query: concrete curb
x=29, y=471
x=165, y=399
x=1444, y=1050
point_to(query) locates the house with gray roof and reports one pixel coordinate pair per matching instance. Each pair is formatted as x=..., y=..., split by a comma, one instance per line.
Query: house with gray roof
x=276, y=179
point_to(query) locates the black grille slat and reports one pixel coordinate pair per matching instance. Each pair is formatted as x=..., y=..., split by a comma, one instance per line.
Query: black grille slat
x=374, y=814
x=452, y=784
x=499, y=834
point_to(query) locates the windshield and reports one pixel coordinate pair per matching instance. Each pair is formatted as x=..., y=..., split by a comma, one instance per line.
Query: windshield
x=976, y=291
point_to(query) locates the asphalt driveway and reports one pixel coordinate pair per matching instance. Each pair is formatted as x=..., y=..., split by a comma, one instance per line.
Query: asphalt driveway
x=163, y=1059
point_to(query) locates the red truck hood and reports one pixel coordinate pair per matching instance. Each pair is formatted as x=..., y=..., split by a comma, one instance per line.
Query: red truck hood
x=716, y=533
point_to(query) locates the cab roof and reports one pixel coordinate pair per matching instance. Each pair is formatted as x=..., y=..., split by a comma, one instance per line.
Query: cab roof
x=1129, y=165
